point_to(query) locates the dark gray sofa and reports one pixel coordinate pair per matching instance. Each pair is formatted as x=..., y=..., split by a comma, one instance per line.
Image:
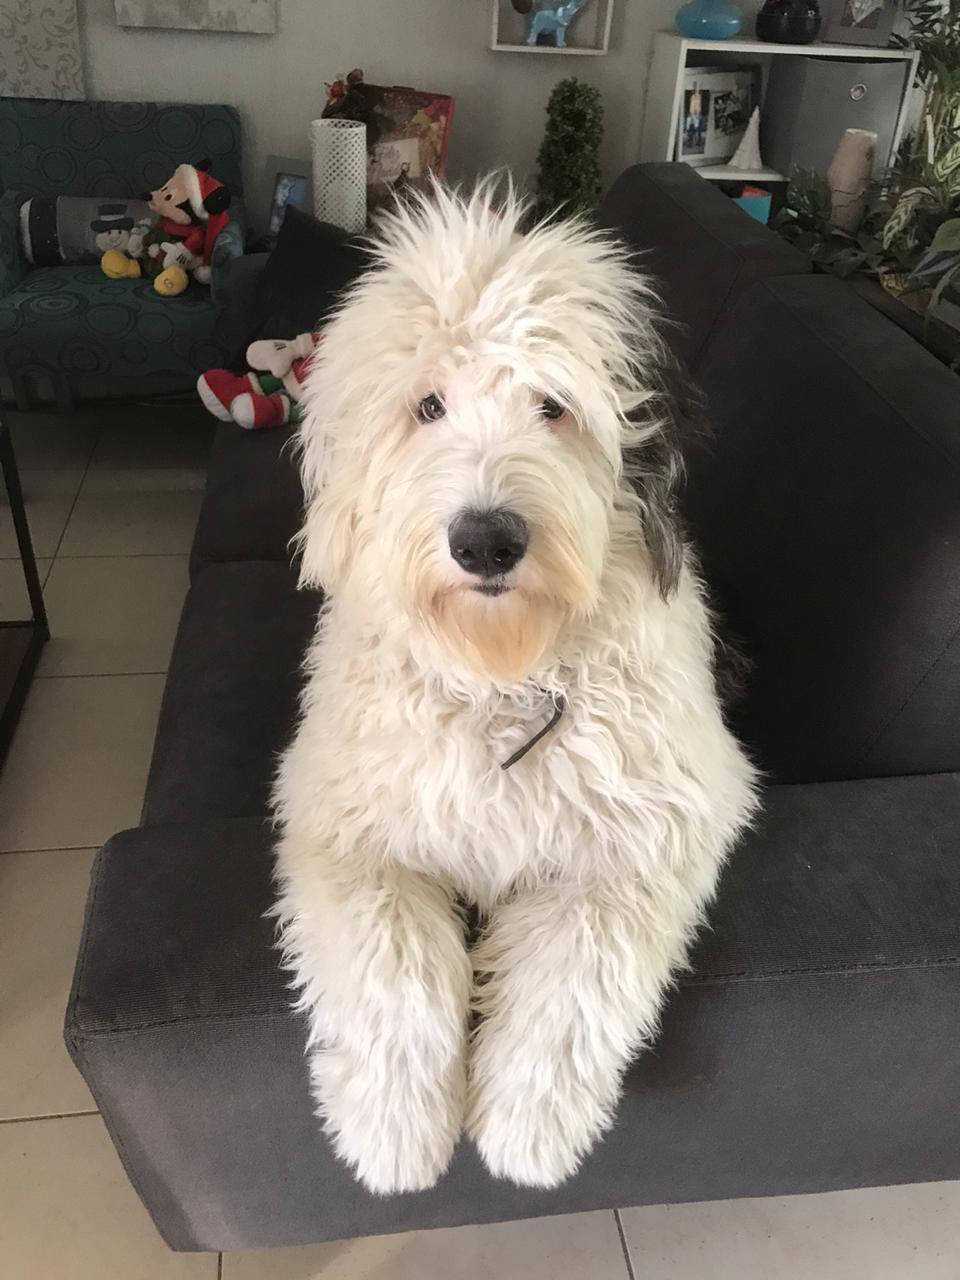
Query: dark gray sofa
x=813, y=1045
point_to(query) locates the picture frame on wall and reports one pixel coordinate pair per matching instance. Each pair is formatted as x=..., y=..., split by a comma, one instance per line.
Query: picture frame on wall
x=286, y=181
x=862, y=22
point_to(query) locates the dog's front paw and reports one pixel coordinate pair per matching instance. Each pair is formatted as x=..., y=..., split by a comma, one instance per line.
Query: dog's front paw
x=536, y=1128
x=397, y=1132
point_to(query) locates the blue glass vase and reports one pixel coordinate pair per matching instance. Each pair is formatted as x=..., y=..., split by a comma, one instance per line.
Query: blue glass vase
x=709, y=20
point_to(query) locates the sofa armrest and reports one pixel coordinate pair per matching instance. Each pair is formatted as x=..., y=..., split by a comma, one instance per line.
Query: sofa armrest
x=834, y=875
x=824, y=995
x=701, y=250
x=229, y=246
x=13, y=265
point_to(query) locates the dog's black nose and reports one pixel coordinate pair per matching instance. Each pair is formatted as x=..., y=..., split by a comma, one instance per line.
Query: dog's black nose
x=488, y=543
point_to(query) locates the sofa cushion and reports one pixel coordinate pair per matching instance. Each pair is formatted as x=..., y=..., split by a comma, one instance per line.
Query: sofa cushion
x=826, y=510
x=701, y=249
x=231, y=695
x=254, y=499
x=812, y=1046
x=74, y=321
x=311, y=264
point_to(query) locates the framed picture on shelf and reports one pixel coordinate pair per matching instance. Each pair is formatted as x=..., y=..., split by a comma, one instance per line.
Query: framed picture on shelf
x=717, y=105
x=692, y=142
x=865, y=22
x=408, y=140
x=286, y=181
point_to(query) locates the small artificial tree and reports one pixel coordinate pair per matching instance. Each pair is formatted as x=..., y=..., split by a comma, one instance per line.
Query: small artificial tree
x=569, y=165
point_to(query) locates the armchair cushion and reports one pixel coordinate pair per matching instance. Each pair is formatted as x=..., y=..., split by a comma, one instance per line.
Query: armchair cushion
x=74, y=321
x=13, y=265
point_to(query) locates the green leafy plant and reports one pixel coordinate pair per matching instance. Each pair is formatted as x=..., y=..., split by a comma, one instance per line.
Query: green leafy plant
x=939, y=267
x=934, y=30
x=568, y=160
x=805, y=220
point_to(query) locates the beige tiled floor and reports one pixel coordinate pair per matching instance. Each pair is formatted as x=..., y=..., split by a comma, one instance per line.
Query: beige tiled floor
x=113, y=498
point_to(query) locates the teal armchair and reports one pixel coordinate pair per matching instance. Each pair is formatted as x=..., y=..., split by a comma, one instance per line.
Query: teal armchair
x=71, y=323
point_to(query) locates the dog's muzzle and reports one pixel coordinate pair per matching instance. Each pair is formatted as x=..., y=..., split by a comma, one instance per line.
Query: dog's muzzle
x=488, y=544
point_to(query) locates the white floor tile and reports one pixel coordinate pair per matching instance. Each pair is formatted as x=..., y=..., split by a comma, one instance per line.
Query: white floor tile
x=48, y=496
x=176, y=436
x=883, y=1233
x=14, y=601
x=112, y=615
x=67, y=1211
x=582, y=1246
x=135, y=512
x=78, y=762
x=42, y=896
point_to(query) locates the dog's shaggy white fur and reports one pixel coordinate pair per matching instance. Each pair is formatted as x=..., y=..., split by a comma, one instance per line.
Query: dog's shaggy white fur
x=592, y=857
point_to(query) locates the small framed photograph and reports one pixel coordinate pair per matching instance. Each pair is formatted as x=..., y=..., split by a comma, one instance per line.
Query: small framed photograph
x=693, y=125
x=865, y=22
x=286, y=182
x=716, y=109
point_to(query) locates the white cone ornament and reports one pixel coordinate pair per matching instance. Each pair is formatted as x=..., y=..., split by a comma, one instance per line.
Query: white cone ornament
x=747, y=155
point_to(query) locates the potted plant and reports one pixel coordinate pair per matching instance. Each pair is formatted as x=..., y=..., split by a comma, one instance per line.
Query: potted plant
x=568, y=160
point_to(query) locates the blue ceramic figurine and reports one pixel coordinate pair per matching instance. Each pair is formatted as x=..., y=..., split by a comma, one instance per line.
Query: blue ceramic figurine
x=554, y=22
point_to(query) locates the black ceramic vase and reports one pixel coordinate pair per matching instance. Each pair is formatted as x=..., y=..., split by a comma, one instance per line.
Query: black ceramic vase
x=789, y=21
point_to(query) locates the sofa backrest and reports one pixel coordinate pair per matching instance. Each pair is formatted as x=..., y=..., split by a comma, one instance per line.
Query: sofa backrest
x=827, y=512
x=701, y=249
x=113, y=148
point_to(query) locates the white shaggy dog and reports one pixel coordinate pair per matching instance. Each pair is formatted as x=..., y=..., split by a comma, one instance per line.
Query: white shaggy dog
x=490, y=569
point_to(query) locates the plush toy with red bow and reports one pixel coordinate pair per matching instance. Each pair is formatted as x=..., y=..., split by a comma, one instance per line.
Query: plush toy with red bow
x=189, y=212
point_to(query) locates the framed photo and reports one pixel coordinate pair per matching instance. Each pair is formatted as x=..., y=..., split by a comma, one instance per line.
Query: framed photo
x=866, y=22
x=408, y=131
x=692, y=143
x=286, y=182
x=716, y=109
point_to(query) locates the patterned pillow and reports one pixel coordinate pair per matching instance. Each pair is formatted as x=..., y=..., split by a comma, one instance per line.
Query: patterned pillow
x=77, y=229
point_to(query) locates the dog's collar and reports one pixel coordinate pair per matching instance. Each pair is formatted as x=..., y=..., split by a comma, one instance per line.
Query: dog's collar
x=559, y=706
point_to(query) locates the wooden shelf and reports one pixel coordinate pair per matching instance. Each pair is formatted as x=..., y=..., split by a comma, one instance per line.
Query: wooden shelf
x=673, y=54
x=543, y=48
x=815, y=50
x=724, y=173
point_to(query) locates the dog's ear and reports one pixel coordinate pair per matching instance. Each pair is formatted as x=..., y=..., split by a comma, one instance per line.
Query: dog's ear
x=656, y=469
x=327, y=540
x=656, y=480
x=329, y=533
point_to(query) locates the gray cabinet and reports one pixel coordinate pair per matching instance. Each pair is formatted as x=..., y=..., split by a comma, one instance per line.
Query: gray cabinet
x=810, y=101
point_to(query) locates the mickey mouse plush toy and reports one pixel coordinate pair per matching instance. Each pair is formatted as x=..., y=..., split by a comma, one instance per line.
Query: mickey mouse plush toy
x=191, y=211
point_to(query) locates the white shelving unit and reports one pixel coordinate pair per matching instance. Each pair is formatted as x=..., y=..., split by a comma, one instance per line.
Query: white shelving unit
x=673, y=53
x=591, y=27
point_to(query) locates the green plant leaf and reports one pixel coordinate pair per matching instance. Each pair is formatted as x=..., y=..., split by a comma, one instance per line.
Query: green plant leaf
x=947, y=236
x=943, y=283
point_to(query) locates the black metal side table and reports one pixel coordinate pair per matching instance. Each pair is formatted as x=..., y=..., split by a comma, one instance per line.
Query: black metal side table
x=20, y=642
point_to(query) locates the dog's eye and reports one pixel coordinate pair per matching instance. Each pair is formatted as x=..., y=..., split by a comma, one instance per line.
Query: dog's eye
x=551, y=409
x=431, y=408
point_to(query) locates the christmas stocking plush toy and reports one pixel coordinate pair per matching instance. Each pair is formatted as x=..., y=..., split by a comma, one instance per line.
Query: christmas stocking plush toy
x=269, y=395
